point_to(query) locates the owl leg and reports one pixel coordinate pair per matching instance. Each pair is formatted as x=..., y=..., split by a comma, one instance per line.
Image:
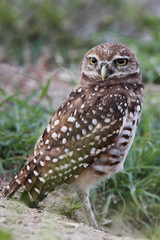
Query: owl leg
x=84, y=198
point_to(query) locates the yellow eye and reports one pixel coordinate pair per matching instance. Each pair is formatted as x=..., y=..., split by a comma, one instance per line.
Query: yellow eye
x=121, y=61
x=92, y=60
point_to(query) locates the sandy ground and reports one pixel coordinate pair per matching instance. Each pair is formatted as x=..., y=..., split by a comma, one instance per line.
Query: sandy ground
x=53, y=220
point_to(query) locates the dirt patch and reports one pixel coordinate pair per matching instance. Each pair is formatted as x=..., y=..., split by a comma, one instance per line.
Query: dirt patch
x=24, y=80
x=52, y=220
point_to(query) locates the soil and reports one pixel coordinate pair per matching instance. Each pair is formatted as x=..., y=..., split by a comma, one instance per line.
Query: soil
x=54, y=220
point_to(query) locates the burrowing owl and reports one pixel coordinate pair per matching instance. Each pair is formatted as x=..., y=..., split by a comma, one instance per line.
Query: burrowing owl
x=90, y=134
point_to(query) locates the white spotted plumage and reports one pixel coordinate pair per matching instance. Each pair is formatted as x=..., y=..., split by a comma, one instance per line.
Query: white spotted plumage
x=89, y=136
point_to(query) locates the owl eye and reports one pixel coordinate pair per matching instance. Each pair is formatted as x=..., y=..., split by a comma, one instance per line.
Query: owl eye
x=121, y=61
x=93, y=60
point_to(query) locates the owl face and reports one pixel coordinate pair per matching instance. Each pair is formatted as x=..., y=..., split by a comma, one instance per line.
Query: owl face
x=109, y=61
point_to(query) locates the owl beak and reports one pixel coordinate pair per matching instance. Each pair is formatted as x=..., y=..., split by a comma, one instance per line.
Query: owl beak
x=104, y=71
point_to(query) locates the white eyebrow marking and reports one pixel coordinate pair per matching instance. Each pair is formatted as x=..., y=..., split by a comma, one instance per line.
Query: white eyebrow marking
x=120, y=56
x=92, y=56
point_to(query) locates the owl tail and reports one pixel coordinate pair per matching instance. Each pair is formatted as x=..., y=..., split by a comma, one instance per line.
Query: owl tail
x=23, y=178
x=32, y=179
x=11, y=189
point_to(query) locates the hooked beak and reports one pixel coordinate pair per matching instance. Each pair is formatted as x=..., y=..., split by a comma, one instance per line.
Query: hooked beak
x=104, y=71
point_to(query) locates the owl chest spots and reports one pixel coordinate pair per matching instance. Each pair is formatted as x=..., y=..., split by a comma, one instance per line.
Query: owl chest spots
x=113, y=159
x=93, y=129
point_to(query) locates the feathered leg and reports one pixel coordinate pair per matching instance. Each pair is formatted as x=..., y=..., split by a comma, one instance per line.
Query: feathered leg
x=84, y=198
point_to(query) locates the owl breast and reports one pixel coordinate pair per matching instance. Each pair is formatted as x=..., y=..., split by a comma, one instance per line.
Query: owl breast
x=122, y=115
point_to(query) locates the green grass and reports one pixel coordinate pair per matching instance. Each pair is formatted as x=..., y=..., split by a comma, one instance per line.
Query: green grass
x=5, y=235
x=21, y=124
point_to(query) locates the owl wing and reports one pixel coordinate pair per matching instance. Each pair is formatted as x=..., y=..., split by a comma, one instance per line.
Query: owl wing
x=83, y=127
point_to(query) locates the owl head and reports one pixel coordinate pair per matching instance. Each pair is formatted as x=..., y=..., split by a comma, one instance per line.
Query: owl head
x=109, y=62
